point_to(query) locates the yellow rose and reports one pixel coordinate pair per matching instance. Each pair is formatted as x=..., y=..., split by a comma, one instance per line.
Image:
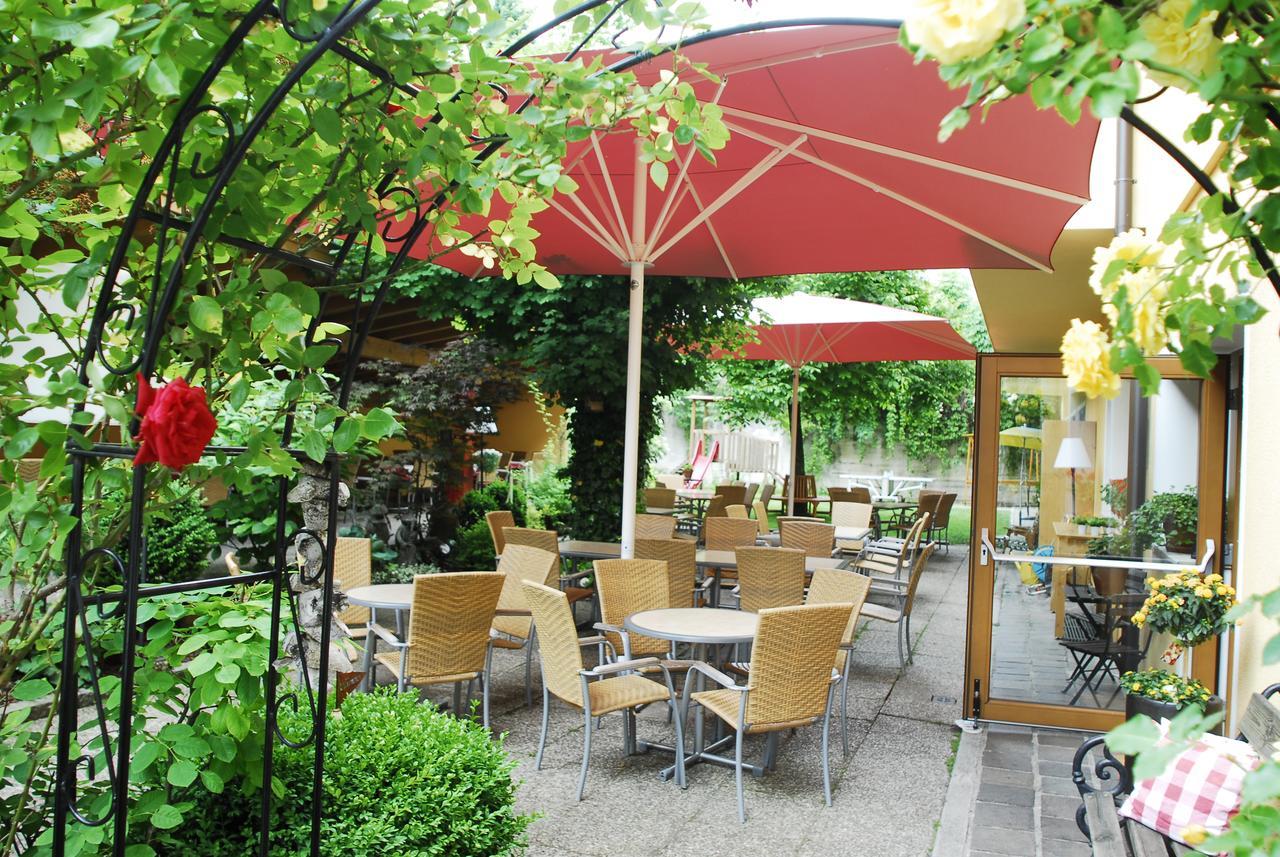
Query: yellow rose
x=955, y=30
x=1194, y=834
x=1086, y=360
x=1192, y=50
x=1161, y=597
x=1134, y=247
x=1213, y=578
x=1222, y=590
x=1204, y=592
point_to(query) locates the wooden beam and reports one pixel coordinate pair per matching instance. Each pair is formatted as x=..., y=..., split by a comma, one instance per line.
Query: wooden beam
x=385, y=349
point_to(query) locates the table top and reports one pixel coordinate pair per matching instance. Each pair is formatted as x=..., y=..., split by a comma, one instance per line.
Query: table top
x=893, y=504
x=695, y=624
x=729, y=559
x=695, y=493
x=853, y=533
x=383, y=596
x=1064, y=530
x=579, y=549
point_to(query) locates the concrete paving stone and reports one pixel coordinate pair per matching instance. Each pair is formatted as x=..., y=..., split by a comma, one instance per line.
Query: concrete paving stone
x=1061, y=738
x=1021, y=843
x=1061, y=828
x=1002, y=777
x=1058, y=786
x=1055, y=769
x=1008, y=758
x=1055, y=806
x=1056, y=753
x=1064, y=848
x=1006, y=794
x=1009, y=740
x=986, y=814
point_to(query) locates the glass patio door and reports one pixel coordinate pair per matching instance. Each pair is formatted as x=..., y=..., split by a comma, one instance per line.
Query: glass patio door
x=1076, y=502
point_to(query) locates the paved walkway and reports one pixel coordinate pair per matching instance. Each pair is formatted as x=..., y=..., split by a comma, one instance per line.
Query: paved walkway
x=888, y=793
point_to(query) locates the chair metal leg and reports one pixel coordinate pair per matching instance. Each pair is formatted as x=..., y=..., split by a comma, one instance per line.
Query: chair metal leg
x=528, y=670
x=844, y=704
x=826, y=742
x=457, y=699
x=737, y=774
x=546, y=713
x=586, y=748
x=403, y=679
x=902, y=659
x=484, y=700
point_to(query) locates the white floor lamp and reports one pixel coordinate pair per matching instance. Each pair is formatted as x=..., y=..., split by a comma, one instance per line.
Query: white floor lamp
x=1072, y=456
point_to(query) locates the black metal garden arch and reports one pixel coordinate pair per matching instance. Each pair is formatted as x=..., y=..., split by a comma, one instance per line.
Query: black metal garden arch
x=150, y=321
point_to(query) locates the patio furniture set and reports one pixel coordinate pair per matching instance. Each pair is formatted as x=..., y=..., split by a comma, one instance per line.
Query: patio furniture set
x=668, y=615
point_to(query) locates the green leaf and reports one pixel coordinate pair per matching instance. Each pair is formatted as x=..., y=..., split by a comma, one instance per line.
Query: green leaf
x=98, y=32
x=314, y=445
x=202, y=663
x=162, y=77
x=346, y=435
x=379, y=423
x=545, y=278
x=212, y=782
x=182, y=773
x=327, y=124
x=31, y=689
x=659, y=173
x=145, y=756
x=166, y=817
x=206, y=314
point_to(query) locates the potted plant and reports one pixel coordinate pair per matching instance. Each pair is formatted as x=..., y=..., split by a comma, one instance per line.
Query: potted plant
x=1193, y=610
x=1168, y=520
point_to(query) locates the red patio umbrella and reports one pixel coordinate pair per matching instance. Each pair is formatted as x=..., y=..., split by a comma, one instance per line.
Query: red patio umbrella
x=834, y=165
x=802, y=328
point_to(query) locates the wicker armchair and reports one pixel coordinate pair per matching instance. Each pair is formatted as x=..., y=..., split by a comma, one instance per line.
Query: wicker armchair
x=519, y=563
x=736, y=511
x=629, y=586
x=681, y=557
x=655, y=526
x=833, y=586
x=725, y=534
x=549, y=541
x=498, y=521
x=769, y=577
x=716, y=507
x=762, y=518
x=792, y=683
x=352, y=567
x=900, y=613
x=941, y=522
x=449, y=638
x=892, y=557
x=734, y=495
x=812, y=537
x=845, y=514
x=660, y=501
x=563, y=675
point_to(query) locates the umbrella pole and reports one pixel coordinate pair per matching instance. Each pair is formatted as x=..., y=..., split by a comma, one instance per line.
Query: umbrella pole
x=635, y=320
x=795, y=432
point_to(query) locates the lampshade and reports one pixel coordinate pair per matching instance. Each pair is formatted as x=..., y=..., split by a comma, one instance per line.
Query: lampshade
x=1072, y=455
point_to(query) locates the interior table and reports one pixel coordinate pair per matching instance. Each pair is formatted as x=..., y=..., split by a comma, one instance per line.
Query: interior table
x=716, y=561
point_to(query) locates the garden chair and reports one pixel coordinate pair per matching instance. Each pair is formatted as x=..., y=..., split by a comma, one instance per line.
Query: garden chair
x=769, y=577
x=352, y=567
x=736, y=511
x=926, y=504
x=549, y=541
x=840, y=494
x=766, y=494
x=812, y=537
x=497, y=521
x=655, y=526
x=660, y=501
x=681, y=557
x=900, y=612
x=762, y=517
x=716, y=508
x=595, y=692
x=449, y=634
x=941, y=521
x=834, y=586
x=891, y=557
x=734, y=495
x=630, y=586
x=849, y=514
x=1118, y=646
x=726, y=534
x=792, y=683
x=519, y=563
x=806, y=494
x=750, y=496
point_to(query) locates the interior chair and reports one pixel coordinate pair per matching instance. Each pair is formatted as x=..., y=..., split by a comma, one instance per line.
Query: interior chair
x=835, y=586
x=792, y=684
x=850, y=514
x=607, y=688
x=814, y=538
x=352, y=567
x=900, y=612
x=655, y=526
x=517, y=564
x=449, y=636
x=497, y=521
x=1118, y=647
x=660, y=501
x=681, y=557
x=941, y=521
x=769, y=577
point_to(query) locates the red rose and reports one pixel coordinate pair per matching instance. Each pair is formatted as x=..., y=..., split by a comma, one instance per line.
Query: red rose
x=176, y=424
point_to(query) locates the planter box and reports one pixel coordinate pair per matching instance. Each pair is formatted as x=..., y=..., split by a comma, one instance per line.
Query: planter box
x=1157, y=711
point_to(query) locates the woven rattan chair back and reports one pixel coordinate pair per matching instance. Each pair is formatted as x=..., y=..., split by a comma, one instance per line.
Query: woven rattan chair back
x=791, y=663
x=917, y=571
x=519, y=563
x=840, y=494
x=766, y=493
x=449, y=622
x=942, y=517
x=558, y=648
x=660, y=498
x=736, y=511
x=734, y=495
x=499, y=520
x=927, y=502
x=916, y=533
x=715, y=508
x=836, y=586
x=655, y=526
x=770, y=577
x=352, y=567
x=762, y=517
x=629, y=586
x=725, y=534
x=812, y=537
x=849, y=514
x=681, y=557
x=750, y=496
x=546, y=540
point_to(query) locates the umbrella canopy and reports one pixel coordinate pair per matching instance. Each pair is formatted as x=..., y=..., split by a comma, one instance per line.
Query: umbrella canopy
x=833, y=165
x=1022, y=436
x=802, y=328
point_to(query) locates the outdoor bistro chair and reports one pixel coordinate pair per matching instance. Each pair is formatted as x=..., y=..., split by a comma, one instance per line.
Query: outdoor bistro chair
x=519, y=563
x=681, y=557
x=941, y=521
x=834, y=586
x=762, y=517
x=806, y=493
x=449, y=638
x=813, y=537
x=660, y=501
x=497, y=521
x=1118, y=646
x=725, y=534
x=630, y=586
x=848, y=514
x=736, y=511
x=548, y=540
x=352, y=567
x=840, y=494
x=734, y=495
x=715, y=508
x=792, y=683
x=616, y=686
x=891, y=557
x=926, y=504
x=900, y=613
x=769, y=577
x=750, y=496
x=766, y=493
x=655, y=526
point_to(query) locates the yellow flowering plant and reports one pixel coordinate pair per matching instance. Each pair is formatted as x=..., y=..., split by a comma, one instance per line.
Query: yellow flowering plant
x=1164, y=686
x=1190, y=607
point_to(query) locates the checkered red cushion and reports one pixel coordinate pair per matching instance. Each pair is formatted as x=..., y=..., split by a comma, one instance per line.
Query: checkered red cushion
x=1199, y=789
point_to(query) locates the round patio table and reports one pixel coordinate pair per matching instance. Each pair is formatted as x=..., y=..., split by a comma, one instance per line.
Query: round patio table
x=382, y=596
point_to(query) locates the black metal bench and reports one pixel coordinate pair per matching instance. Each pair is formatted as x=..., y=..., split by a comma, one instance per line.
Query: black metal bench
x=1098, y=818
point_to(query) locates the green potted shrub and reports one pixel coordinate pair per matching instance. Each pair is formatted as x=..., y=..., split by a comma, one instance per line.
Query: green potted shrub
x=1193, y=610
x=1168, y=520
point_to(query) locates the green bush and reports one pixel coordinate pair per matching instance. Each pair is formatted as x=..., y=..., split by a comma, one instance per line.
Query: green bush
x=472, y=549
x=549, y=502
x=403, y=572
x=492, y=497
x=179, y=539
x=400, y=779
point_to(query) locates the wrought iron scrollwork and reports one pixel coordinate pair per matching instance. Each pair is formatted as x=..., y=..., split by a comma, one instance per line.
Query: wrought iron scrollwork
x=1110, y=773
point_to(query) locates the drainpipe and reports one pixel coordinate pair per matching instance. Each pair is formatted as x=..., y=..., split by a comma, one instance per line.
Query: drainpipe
x=1139, y=407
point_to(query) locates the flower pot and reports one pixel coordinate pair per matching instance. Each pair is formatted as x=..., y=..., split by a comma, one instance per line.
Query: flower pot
x=1157, y=711
x=1109, y=581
